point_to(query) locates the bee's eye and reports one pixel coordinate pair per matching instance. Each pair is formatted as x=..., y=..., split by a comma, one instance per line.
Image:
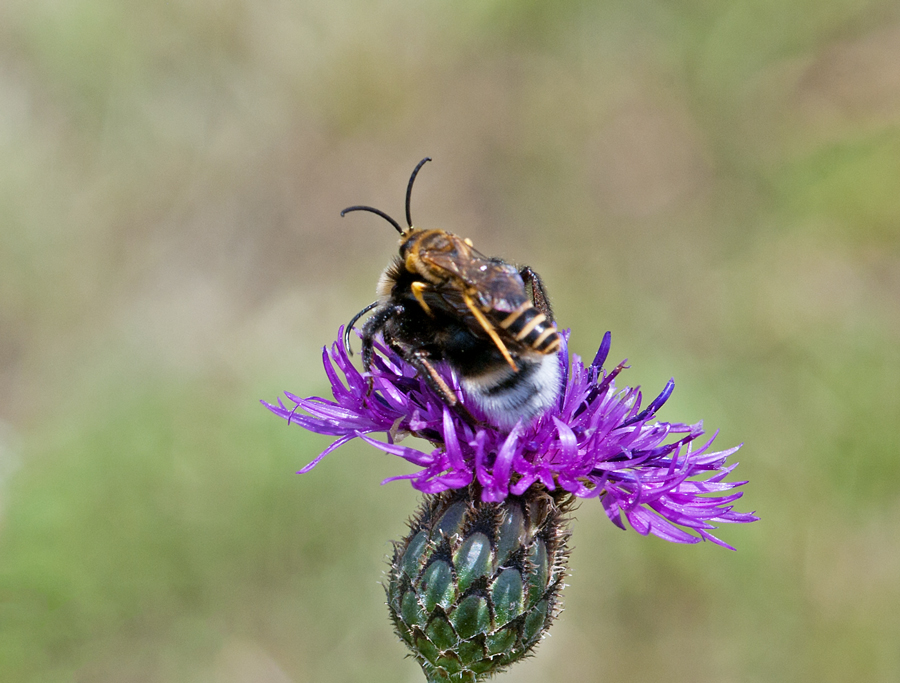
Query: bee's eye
x=404, y=247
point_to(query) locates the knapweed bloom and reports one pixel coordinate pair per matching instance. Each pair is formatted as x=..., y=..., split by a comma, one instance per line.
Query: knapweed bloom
x=476, y=583
x=596, y=442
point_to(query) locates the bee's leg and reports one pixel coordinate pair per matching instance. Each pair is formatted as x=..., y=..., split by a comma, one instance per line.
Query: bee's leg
x=421, y=361
x=538, y=293
x=464, y=413
x=375, y=324
x=418, y=290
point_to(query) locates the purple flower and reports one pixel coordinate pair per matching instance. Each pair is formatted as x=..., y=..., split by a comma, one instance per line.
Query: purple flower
x=596, y=442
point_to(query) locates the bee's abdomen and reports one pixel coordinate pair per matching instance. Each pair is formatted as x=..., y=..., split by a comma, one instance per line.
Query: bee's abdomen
x=530, y=327
x=506, y=397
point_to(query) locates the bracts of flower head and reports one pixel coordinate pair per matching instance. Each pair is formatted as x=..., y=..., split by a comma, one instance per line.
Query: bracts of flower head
x=596, y=442
x=475, y=585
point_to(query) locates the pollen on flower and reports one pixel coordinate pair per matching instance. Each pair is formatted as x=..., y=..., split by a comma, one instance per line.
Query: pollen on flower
x=595, y=442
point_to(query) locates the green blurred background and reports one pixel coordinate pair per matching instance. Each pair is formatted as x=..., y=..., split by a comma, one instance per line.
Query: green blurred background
x=718, y=183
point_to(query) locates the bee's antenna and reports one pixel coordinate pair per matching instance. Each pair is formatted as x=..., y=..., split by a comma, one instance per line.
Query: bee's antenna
x=412, y=179
x=376, y=212
x=353, y=322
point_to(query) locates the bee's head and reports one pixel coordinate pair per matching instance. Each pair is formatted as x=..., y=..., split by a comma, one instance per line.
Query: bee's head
x=416, y=244
x=433, y=254
x=411, y=241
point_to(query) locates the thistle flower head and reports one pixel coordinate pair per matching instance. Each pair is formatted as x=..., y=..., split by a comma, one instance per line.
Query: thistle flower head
x=597, y=441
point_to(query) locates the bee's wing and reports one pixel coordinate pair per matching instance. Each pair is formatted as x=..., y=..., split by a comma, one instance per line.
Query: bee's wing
x=496, y=285
x=450, y=299
x=460, y=301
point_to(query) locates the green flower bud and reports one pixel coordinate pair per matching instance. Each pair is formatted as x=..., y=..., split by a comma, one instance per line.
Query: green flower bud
x=474, y=586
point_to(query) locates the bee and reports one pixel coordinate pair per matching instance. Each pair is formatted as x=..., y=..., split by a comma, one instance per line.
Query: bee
x=442, y=301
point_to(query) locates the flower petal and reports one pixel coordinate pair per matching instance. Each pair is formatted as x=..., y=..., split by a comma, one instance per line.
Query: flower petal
x=594, y=442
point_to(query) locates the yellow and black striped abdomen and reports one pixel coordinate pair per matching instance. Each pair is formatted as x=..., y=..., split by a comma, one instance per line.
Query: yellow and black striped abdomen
x=530, y=327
